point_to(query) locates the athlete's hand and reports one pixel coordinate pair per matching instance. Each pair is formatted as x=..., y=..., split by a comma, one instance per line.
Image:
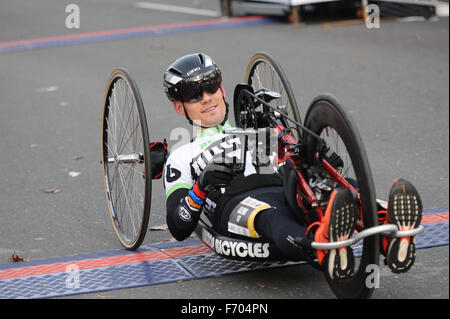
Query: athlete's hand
x=214, y=175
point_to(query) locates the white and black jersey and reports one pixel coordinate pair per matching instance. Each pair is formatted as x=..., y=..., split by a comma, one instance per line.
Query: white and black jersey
x=185, y=164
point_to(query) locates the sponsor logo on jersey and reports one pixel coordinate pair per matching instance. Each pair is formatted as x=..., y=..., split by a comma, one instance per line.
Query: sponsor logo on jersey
x=184, y=214
x=227, y=149
x=172, y=174
x=236, y=248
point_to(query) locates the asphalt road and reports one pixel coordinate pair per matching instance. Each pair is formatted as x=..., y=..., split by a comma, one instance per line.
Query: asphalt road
x=394, y=80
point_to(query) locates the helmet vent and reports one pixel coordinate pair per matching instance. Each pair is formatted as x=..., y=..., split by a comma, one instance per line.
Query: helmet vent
x=173, y=70
x=200, y=56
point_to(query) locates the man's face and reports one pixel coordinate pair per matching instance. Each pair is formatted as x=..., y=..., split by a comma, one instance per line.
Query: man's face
x=208, y=112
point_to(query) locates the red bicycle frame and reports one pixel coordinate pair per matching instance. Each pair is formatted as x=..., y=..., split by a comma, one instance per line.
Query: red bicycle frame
x=303, y=186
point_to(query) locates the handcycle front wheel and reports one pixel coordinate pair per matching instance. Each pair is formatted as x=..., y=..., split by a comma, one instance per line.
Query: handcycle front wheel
x=327, y=118
x=265, y=73
x=126, y=159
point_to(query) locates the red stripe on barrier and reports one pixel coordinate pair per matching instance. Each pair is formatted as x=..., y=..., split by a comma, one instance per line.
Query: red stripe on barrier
x=186, y=251
x=140, y=257
x=81, y=264
x=128, y=30
x=103, y=262
x=434, y=218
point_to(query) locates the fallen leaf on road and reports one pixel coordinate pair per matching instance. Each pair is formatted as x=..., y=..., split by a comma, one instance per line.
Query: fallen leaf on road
x=15, y=258
x=33, y=145
x=63, y=104
x=78, y=157
x=159, y=227
x=52, y=190
x=261, y=285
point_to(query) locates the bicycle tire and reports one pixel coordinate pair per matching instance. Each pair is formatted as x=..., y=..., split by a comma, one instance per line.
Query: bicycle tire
x=326, y=114
x=125, y=159
x=252, y=77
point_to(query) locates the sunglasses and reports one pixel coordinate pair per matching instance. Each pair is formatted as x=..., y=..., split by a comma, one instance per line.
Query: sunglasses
x=192, y=92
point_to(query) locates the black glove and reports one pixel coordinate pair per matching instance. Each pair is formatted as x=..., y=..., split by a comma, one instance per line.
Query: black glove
x=213, y=176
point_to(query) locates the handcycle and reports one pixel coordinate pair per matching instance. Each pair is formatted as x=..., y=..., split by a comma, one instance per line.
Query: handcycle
x=263, y=103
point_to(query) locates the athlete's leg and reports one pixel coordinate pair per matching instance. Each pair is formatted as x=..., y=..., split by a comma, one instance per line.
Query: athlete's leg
x=275, y=222
x=279, y=226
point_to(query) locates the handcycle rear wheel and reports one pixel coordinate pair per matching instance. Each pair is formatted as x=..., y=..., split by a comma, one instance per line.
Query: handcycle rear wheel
x=126, y=159
x=264, y=72
x=327, y=118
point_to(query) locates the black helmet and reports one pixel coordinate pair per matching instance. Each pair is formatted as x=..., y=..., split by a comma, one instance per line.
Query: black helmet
x=189, y=75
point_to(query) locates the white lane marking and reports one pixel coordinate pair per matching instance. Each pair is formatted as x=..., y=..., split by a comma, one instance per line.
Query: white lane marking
x=179, y=9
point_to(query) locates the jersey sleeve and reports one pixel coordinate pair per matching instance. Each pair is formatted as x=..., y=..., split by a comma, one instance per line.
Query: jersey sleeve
x=177, y=182
x=177, y=173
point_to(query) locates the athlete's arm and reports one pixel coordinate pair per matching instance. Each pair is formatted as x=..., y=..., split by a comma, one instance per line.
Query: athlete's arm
x=181, y=219
x=184, y=205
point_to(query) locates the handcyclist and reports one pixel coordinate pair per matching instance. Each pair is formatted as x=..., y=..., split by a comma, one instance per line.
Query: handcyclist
x=253, y=204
